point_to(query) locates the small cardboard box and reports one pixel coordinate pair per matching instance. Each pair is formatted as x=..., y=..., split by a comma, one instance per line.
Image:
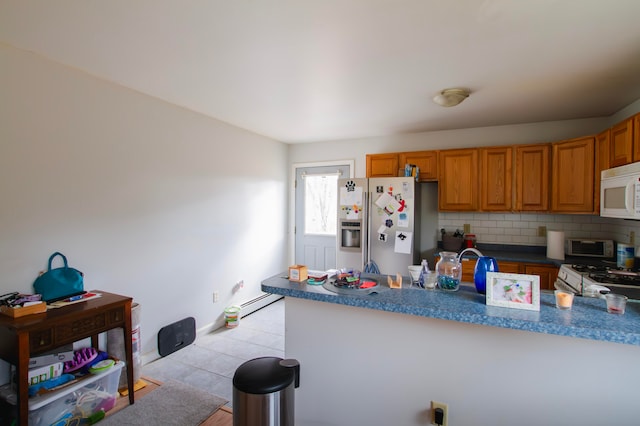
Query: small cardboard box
x=298, y=273
x=41, y=374
x=62, y=354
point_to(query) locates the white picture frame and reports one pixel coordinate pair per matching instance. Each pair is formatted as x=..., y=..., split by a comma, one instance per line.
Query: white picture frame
x=517, y=291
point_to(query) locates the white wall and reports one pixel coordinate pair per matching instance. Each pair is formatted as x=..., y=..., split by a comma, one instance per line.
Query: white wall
x=147, y=199
x=376, y=368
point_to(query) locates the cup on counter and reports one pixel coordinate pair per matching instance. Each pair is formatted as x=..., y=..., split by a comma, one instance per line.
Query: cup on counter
x=430, y=280
x=564, y=299
x=616, y=303
x=414, y=273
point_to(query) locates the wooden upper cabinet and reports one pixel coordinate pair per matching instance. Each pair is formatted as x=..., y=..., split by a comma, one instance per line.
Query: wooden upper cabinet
x=572, y=176
x=427, y=161
x=636, y=137
x=621, y=143
x=496, y=178
x=458, y=180
x=532, y=177
x=382, y=165
x=603, y=152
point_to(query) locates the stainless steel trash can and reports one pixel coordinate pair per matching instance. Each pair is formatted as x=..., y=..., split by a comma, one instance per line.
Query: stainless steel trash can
x=264, y=390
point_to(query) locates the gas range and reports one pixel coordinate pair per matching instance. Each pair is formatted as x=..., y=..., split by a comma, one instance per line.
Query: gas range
x=595, y=279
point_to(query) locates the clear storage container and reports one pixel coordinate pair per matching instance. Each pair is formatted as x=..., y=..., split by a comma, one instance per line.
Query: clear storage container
x=79, y=400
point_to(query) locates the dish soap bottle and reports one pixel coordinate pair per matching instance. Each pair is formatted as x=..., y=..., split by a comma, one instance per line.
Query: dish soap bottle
x=424, y=270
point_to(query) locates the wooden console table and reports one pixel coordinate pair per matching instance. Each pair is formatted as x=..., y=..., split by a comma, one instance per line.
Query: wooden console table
x=20, y=338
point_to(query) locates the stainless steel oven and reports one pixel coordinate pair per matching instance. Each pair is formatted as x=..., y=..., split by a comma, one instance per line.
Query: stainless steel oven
x=594, y=280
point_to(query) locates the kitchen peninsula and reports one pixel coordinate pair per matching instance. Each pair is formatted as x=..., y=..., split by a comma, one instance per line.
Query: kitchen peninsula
x=380, y=359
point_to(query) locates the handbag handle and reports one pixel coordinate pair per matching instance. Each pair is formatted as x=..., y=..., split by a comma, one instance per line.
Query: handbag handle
x=58, y=254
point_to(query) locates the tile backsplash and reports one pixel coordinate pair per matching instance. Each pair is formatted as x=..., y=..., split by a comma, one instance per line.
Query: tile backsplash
x=522, y=228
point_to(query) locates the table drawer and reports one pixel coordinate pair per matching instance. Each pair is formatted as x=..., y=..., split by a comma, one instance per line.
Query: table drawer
x=115, y=316
x=85, y=326
x=40, y=340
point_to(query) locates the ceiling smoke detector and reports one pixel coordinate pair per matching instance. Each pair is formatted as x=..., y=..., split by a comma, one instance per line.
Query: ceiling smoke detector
x=451, y=97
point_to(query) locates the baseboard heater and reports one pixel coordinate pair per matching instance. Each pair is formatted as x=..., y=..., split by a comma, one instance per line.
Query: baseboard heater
x=259, y=302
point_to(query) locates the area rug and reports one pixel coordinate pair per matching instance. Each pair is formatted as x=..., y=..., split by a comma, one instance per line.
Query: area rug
x=173, y=403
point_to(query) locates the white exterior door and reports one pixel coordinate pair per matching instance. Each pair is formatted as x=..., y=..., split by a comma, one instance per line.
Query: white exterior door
x=316, y=215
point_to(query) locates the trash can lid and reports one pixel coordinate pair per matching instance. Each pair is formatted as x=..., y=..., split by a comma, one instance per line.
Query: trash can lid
x=263, y=375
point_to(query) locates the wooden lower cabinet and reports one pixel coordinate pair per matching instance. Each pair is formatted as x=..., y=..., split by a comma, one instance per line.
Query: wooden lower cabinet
x=547, y=273
x=509, y=267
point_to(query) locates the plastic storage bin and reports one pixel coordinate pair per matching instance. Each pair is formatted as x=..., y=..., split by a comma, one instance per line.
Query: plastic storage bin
x=77, y=401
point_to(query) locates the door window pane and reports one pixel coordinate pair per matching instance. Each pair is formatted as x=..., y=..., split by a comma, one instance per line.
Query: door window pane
x=321, y=202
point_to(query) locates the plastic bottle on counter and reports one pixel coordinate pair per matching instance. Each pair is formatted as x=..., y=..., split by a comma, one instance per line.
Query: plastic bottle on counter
x=424, y=270
x=470, y=241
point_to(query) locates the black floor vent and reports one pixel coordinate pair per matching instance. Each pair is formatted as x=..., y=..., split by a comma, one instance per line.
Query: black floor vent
x=176, y=336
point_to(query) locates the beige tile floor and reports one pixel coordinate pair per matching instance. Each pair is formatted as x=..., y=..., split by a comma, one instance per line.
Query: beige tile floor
x=210, y=362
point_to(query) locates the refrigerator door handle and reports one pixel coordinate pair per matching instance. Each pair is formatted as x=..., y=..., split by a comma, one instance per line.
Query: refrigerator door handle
x=365, y=225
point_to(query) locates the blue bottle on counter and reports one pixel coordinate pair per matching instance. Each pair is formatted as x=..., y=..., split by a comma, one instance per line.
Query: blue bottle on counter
x=424, y=269
x=484, y=264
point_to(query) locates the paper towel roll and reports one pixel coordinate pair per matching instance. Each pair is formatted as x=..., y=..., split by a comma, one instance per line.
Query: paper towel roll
x=555, y=245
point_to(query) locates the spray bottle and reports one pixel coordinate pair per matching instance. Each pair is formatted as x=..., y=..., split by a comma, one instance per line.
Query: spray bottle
x=424, y=269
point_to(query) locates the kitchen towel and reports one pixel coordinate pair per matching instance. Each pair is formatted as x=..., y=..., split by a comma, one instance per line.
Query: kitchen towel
x=555, y=245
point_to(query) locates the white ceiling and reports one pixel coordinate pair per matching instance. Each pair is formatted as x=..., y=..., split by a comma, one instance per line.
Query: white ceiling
x=309, y=70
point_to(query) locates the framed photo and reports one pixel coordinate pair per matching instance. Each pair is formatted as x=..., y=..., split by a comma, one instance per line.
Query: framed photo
x=517, y=291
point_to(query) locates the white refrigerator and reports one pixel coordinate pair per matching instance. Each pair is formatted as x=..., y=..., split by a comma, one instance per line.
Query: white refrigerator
x=385, y=224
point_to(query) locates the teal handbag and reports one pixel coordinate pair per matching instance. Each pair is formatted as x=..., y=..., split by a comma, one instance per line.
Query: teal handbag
x=60, y=283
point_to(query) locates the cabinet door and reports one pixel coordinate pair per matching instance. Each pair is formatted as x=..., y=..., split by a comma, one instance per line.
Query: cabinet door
x=621, y=147
x=458, y=185
x=548, y=274
x=509, y=267
x=532, y=177
x=636, y=137
x=603, y=152
x=505, y=266
x=468, y=268
x=427, y=161
x=572, y=181
x=382, y=165
x=496, y=179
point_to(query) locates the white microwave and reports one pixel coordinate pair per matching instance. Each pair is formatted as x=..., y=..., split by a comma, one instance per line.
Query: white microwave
x=620, y=192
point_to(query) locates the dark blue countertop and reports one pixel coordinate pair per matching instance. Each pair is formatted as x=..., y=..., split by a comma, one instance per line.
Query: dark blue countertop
x=531, y=254
x=588, y=319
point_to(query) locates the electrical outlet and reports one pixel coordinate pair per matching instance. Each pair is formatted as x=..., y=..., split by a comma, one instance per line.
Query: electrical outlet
x=216, y=296
x=632, y=238
x=467, y=228
x=445, y=416
x=542, y=231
